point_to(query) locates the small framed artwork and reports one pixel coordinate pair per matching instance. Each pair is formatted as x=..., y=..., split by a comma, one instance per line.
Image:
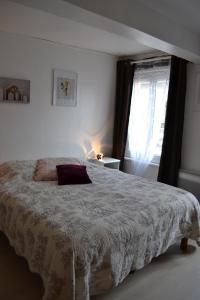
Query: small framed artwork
x=64, y=88
x=14, y=90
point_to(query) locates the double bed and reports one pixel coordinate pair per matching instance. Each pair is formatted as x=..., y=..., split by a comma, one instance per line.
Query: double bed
x=85, y=239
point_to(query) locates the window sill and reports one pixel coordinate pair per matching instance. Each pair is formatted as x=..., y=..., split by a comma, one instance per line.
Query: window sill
x=153, y=164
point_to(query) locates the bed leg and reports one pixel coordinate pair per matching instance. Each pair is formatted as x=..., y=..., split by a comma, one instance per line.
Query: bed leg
x=184, y=244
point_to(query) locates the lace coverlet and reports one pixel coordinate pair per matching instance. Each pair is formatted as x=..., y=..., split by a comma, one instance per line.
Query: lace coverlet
x=85, y=239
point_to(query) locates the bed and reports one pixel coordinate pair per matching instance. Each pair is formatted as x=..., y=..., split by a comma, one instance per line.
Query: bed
x=85, y=239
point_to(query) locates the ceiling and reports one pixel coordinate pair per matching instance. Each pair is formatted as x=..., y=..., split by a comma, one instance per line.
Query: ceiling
x=117, y=27
x=172, y=26
x=184, y=12
x=40, y=24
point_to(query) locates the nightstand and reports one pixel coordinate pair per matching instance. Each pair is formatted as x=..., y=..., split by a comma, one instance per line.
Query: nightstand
x=108, y=162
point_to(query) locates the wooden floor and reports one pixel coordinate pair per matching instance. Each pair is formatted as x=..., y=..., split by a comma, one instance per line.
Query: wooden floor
x=173, y=275
x=16, y=281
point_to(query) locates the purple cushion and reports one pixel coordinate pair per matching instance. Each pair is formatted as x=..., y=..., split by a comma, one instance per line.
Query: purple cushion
x=72, y=174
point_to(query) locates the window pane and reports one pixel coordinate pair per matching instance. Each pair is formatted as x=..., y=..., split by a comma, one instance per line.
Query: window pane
x=147, y=114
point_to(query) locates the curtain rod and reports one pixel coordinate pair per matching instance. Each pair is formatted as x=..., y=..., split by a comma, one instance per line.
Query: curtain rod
x=150, y=59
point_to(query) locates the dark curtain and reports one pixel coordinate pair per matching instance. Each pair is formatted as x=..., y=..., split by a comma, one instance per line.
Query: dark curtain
x=124, y=84
x=172, y=142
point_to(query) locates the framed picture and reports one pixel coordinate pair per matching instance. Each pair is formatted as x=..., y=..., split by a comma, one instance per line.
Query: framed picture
x=14, y=90
x=64, y=88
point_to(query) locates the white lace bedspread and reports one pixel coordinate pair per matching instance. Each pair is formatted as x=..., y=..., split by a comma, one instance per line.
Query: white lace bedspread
x=85, y=239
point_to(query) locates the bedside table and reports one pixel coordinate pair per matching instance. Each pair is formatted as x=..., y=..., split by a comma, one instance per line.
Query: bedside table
x=108, y=162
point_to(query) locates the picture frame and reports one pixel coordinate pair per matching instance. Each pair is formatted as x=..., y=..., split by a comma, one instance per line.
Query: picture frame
x=64, y=88
x=14, y=90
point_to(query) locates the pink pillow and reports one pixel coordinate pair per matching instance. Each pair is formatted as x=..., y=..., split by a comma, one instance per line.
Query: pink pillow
x=4, y=170
x=46, y=168
x=72, y=174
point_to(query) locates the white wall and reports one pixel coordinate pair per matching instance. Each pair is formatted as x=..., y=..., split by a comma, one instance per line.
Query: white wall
x=40, y=129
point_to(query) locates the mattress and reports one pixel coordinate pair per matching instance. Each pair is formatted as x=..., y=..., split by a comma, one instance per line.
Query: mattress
x=85, y=239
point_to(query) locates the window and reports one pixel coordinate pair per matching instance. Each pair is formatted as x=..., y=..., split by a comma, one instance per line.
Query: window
x=147, y=113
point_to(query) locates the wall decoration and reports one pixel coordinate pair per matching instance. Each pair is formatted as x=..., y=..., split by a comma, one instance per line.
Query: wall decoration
x=64, y=88
x=14, y=90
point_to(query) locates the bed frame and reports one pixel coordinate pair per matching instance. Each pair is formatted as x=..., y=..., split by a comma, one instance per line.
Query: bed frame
x=184, y=244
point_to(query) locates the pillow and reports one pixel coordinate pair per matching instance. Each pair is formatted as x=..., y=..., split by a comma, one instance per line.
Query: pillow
x=72, y=174
x=46, y=168
x=6, y=172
